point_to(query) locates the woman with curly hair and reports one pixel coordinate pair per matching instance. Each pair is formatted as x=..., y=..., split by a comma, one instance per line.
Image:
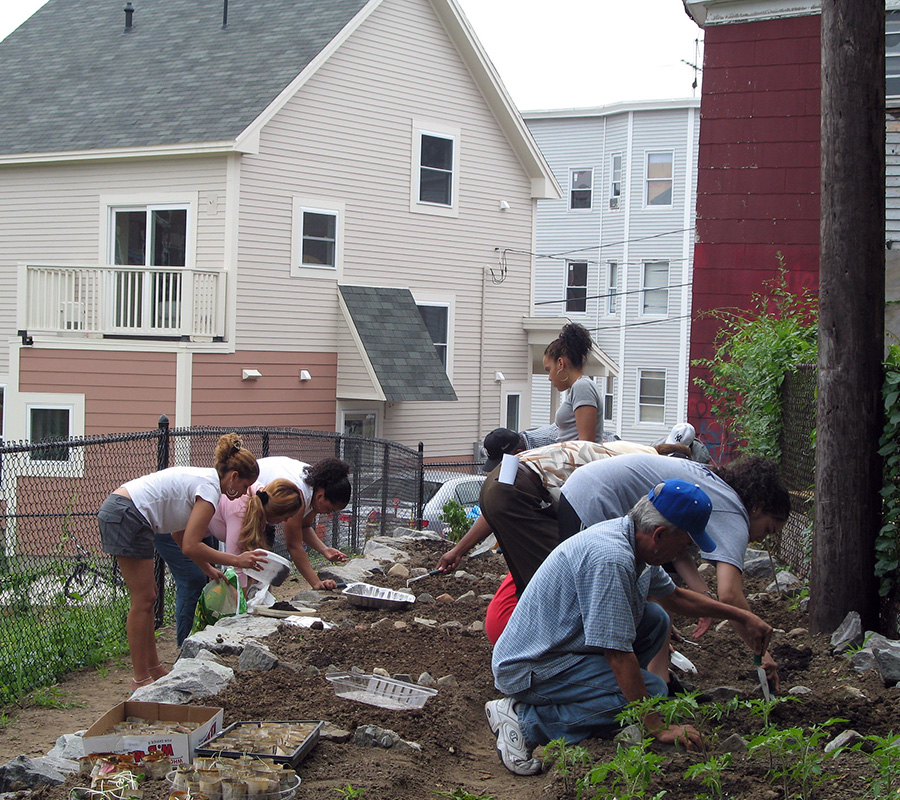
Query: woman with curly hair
x=580, y=415
x=749, y=504
x=179, y=501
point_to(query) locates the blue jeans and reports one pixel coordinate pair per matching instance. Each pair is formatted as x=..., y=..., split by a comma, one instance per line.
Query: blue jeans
x=583, y=700
x=189, y=582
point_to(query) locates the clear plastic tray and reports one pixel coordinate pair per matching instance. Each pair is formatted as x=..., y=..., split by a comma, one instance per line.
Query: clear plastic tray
x=378, y=691
x=364, y=595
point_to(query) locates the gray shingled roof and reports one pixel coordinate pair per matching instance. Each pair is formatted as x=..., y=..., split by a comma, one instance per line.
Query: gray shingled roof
x=71, y=79
x=398, y=343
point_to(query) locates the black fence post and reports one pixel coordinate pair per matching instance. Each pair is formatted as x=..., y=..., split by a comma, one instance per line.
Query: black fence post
x=159, y=566
x=265, y=445
x=420, y=486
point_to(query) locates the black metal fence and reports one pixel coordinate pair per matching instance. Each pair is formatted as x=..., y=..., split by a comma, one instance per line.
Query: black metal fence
x=62, y=602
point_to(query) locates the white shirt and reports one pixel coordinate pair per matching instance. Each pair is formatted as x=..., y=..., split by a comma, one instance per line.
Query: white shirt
x=166, y=498
x=275, y=467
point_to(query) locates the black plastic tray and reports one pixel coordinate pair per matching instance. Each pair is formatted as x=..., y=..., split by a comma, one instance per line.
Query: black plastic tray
x=209, y=748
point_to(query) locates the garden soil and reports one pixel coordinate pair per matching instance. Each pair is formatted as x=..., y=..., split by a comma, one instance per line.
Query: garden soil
x=457, y=756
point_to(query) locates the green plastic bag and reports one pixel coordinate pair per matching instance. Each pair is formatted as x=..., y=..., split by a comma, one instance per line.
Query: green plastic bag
x=220, y=598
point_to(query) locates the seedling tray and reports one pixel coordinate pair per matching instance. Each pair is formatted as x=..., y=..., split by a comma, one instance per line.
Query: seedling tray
x=378, y=691
x=294, y=758
x=364, y=595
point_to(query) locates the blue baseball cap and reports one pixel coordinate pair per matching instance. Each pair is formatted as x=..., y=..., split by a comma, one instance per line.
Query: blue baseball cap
x=686, y=505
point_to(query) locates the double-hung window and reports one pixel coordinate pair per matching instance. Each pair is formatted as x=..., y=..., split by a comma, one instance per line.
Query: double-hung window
x=612, y=288
x=434, y=185
x=615, y=180
x=581, y=189
x=437, y=321
x=652, y=395
x=318, y=238
x=659, y=179
x=49, y=422
x=655, y=295
x=576, y=286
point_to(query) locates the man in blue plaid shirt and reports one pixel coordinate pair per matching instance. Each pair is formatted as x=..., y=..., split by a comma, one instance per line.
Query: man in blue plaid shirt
x=575, y=650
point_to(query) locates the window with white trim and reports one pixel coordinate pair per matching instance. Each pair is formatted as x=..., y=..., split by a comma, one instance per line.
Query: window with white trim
x=49, y=422
x=318, y=238
x=612, y=288
x=609, y=398
x=436, y=164
x=513, y=409
x=576, y=286
x=581, y=189
x=360, y=423
x=659, y=174
x=615, y=179
x=655, y=286
x=652, y=395
x=437, y=321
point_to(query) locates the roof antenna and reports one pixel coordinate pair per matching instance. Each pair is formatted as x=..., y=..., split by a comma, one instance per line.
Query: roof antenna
x=129, y=13
x=225, y=13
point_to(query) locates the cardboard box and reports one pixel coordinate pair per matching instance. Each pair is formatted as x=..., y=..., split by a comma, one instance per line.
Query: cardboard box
x=178, y=746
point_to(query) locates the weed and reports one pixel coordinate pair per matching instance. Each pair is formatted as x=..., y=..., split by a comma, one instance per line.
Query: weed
x=709, y=773
x=885, y=757
x=462, y=794
x=51, y=697
x=627, y=776
x=349, y=793
x=564, y=758
x=763, y=708
x=456, y=519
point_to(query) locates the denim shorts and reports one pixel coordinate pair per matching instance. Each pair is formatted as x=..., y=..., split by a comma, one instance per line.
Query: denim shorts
x=123, y=529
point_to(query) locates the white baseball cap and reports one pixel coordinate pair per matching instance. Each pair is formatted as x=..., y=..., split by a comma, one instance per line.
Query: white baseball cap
x=682, y=433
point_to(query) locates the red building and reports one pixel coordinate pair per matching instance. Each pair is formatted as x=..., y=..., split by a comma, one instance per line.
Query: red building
x=758, y=166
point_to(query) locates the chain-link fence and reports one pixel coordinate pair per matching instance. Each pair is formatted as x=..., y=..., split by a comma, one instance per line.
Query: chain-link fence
x=63, y=603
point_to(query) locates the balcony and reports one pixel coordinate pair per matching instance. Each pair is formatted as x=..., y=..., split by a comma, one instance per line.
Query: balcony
x=121, y=301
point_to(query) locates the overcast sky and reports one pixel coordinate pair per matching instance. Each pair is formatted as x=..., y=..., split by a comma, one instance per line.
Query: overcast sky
x=559, y=53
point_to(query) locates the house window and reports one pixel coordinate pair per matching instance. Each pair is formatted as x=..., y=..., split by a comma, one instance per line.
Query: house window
x=652, y=396
x=612, y=287
x=659, y=179
x=436, y=169
x=513, y=406
x=581, y=185
x=655, y=295
x=615, y=180
x=318, y=238
x=892, y=54
x=49, y=422
x=608, y=397
x=437, y=321
x=576, y=286
x=360, y=423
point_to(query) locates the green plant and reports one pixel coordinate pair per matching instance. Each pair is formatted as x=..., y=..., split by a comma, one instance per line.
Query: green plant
x=462, y=794
x=627, y=776
x=794, y=756
x=887, y=543
x=752, y=352
x=885, y=758
x=51, y=697
x=710, y=772
x=795, y=601
x=763, y=708
x=454, y=516
x=349, y=793
x=564, y=758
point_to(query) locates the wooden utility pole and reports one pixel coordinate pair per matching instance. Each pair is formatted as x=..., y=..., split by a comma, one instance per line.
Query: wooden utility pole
x=851, y=323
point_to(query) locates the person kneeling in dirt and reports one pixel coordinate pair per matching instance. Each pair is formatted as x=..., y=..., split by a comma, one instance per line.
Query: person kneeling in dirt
x=576, y=648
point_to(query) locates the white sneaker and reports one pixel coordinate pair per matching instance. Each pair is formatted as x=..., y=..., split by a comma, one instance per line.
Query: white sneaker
x=504, y=722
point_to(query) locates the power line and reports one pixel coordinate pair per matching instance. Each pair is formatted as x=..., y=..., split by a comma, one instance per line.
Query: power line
x=615, y=294
x=638, y=324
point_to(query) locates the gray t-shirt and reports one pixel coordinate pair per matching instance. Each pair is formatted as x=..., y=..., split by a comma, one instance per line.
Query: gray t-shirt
x=608, y=489
x=581, y=393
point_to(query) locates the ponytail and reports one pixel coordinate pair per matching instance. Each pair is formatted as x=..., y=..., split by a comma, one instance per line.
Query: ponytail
x=232, y=456
x=279, y=499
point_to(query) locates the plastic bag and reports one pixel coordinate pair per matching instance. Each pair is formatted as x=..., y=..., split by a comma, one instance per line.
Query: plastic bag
x=220, y=598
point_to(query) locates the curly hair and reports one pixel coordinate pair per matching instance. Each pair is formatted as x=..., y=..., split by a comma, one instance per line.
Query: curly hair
x=574, y=342
x=331, y=476
x=232, y=456
x=280, y=498
x=756, y=481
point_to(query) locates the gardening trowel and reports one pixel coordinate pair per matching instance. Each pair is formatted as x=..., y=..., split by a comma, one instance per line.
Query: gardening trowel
x=426, y=575
x=763, y=679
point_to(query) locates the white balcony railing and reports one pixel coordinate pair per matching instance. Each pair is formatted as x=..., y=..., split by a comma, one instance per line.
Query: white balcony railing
x=155, y=302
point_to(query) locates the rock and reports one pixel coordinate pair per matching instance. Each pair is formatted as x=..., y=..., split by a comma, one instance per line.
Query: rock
x=846, y=738
x=26, y=773
x=447, y=682
x=355, y=570
x=428, y=623
x=403, y=676
x=848, y=633
x=317, y=625
x=452, y=625
x=334, y=734
x=888, y=661
x=468, y=597
x=425, y=597
x=399, y=571
x=311, y=671
x=864, y=659
x=799, y=691
x=797, y=633
x=354, y=670
x=785, y=582
x=803, y=607
x=229, y=635
x=378, y=550
x=848, y=693
x=311, y=597
x=190, y=679
x=332, y=668
x=257, y=657
x=373, y=736
x=400, y=625
x=706, y=569
x=406, y=535
x=69, y=746
x=489, y=576
x=444, y=598
x=208, y=655
x=463, y=575
x=630, y=736
x=720, y=694
x=384, y=622
x=347, y=623
x=426, y=680
x=382, y=672
x=759, y=567
x=733, y=744
x=485, y=598
x=477, y=626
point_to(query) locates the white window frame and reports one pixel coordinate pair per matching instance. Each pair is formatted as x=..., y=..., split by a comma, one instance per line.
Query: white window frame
x=609, y=398
x=316, y=205
x=892, y=54
x=350, y=412
x=427, y=299
x=657, y=291
x=615, y=186
x=648, y=180
x=147, y=201
x=443, y=130
x=74, y=403
x=640, y=406
x=587, y=279
x=517, y=423
x=612, y=289
x=590, y=206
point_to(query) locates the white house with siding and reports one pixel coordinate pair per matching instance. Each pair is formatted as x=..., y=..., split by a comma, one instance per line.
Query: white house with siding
x=615, y=252
x=260, y=213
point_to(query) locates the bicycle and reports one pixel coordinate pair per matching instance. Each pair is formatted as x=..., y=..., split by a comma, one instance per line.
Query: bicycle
x=86, y=577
